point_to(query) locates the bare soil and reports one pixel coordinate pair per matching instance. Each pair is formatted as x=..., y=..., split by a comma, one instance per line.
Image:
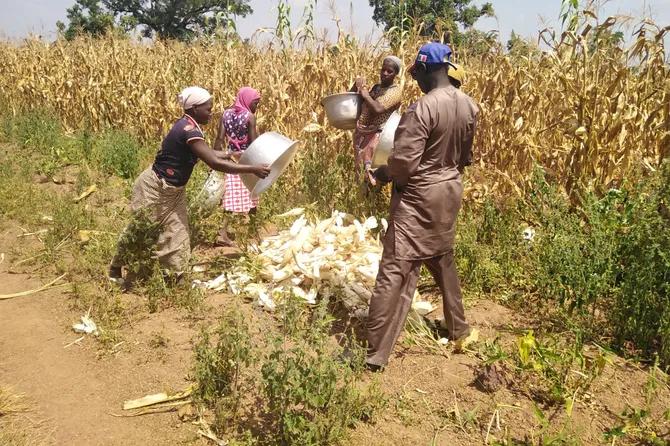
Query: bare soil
x=76, y=390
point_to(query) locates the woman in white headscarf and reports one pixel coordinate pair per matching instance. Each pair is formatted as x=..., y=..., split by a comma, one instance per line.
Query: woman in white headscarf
x=379, y=102
x=159, y=192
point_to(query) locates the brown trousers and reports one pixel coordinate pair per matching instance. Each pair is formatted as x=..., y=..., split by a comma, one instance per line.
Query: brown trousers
x=392, y=299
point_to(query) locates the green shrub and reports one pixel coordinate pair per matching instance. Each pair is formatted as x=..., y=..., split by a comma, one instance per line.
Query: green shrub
x=574, y=251
x=490, y=251
x=641, y=313
x=220, y=364
x=312, y=397
x=612, y=253
x=137, y=245
x=39, y=130
x=118, y=154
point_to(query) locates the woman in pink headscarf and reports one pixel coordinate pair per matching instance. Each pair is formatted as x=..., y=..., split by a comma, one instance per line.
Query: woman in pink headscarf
x=238, y=125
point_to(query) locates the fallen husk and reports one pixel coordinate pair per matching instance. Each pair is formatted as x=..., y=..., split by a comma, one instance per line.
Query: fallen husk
x=295, y=212
x=92, y=188
x=159, y=408
x=157, y=398
x=36, y=290
x=336, y=256
x=423, y=307
x=206, y=431
x=87, y=325
x=27, y=234
x=85, y=235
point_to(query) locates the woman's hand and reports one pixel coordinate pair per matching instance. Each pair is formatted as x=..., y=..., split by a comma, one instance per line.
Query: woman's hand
x=261, y=171
x=370, y=176
x=358, y=83
x=235, y=156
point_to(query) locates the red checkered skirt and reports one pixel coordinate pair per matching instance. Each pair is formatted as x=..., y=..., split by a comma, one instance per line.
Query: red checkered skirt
x=237, y=197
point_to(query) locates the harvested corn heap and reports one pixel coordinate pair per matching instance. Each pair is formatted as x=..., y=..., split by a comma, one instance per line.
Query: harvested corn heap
x=311, y=259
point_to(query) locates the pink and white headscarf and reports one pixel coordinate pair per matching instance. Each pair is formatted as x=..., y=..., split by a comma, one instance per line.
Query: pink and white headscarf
x=244, y=98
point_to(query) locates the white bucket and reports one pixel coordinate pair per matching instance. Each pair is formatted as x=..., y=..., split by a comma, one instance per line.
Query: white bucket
x=342, y=109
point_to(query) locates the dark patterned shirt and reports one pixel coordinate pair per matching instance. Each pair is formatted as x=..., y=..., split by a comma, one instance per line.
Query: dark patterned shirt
x=175, y=160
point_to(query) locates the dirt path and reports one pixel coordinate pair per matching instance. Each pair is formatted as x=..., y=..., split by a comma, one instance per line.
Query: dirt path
x=73, y=391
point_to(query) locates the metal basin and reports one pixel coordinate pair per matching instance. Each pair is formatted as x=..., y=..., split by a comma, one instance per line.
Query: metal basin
x=385, y=145
x=342, y=109
x=269, y=148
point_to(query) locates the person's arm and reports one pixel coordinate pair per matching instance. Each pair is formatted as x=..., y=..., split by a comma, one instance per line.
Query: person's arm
x=220, y=136
x=409, y=144
x=253, y=132
x=218, y=161
x=375, y=105
x=466, y=153
x=389, y=101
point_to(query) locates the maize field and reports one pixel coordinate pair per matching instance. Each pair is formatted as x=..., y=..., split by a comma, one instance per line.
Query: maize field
x=565, y=268
x=590, y=114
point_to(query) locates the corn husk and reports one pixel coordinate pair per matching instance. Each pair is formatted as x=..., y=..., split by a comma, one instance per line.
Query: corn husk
x=157, y=398
x=312, y=258
x=92, y=188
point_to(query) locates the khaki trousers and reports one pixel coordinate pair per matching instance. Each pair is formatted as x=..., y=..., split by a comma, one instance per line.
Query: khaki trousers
x=167, y=206
x=392, y=299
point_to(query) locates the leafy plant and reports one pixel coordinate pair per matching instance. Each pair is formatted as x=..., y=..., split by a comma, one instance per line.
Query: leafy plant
x=313, y=397
x=639, y=426
x=118, y=154
x=220, y=366
x=137, y=244
x=553, y=362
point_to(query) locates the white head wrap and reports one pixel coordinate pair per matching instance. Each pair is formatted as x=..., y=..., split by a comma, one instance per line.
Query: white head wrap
x=395, y=61
x=192, y=96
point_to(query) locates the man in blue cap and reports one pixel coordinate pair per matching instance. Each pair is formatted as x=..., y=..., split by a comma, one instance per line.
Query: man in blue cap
x=432, y=147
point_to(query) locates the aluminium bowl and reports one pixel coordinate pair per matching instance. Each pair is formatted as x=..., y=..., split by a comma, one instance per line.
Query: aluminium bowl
x=270, y=148
x=385, y=144
x=342, y=109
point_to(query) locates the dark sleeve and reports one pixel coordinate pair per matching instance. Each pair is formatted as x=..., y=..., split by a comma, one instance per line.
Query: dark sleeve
x=409, y=143
x=191, y=133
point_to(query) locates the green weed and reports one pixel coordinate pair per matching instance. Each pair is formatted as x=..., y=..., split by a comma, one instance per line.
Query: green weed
x=220, y=367
x=117, y=153
x=554, y=362
x=638, y=426
x=312, y=397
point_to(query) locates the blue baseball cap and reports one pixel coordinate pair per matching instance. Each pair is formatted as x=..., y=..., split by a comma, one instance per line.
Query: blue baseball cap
x=433, y=53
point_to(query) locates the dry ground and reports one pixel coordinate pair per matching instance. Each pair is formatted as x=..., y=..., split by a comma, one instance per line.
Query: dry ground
x=74, y=390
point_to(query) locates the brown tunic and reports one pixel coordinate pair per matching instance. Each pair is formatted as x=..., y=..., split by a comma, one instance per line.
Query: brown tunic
x=432, y=145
